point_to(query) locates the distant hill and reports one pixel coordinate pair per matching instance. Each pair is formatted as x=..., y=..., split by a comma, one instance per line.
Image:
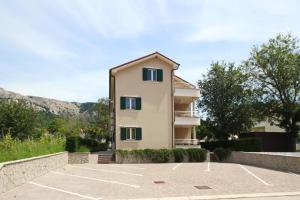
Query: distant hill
x=52, y=106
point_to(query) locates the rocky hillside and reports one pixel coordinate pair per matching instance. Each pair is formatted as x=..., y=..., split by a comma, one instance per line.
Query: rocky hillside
x=48, y=105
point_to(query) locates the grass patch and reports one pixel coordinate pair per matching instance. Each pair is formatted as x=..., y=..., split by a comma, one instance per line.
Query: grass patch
x=14, y=149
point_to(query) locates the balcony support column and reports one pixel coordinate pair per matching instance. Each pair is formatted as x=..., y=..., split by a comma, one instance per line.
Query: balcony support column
x=194, y=132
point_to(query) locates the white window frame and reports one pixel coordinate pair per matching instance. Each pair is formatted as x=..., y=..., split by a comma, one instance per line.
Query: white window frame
x=132, y=134
x=130, y=99
x=152, y=72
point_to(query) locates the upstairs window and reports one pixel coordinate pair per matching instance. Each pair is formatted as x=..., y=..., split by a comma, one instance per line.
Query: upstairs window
x=151, y=74
x=131, y=103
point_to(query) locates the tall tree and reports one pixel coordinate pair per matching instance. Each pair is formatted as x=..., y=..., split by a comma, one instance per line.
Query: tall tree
x=275, y=70
x=17, y=118
x=227, y=100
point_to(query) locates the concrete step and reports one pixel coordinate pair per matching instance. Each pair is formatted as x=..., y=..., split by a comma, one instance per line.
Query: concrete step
x=105, y=159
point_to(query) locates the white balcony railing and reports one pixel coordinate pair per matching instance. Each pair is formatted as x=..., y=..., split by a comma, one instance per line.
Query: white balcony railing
x=186, y=114
x=187, y=142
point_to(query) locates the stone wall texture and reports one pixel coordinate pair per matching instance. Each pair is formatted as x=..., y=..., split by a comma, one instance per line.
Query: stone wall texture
x=79, y=158
x=265, y=160
x=15, y=173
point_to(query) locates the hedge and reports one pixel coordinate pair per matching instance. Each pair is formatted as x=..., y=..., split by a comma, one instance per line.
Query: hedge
x=165, y=155
x=245, y=144
x=75, y=144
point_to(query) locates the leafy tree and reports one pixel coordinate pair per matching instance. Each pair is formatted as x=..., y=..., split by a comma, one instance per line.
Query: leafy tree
x=57, y=126
x=203, y=132
x=17, y=118
x=275, y=70
x=227, y=100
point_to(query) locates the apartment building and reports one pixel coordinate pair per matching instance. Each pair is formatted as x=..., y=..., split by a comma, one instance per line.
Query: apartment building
x=151, y=107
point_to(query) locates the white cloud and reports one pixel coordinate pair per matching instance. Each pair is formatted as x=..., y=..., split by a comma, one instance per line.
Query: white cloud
x=19, y=32
x=244, y=21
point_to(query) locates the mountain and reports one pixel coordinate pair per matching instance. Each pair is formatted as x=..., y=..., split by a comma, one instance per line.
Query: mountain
x=52, y=106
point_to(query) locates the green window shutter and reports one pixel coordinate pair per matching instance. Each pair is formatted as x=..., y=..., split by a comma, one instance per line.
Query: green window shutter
x=123, y=133
x=145, y=70
x=123, y=103
x=138, y=101
x=160, y=75
x=138, y=134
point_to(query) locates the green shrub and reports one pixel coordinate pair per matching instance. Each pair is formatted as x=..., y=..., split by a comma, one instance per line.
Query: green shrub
x=244, y=144
x=248, y=145
x=122, y=153
x=221, y=153
x=83, y=149
x=161, y=155
x=72, y=144
x=14, y=149
x=179, y=154
x=164, y=155
x=196, y=155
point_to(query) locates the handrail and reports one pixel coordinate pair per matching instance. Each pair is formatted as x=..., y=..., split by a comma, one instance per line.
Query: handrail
x=186, y=141
x=179, y=113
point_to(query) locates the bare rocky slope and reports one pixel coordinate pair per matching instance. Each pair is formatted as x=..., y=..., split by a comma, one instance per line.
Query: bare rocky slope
x=53, y=106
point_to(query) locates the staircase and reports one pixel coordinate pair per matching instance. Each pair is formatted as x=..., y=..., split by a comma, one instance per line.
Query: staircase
x=105, y=158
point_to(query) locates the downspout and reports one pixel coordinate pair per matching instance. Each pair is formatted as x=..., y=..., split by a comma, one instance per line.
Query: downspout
x=172, y=105
x=112, y=108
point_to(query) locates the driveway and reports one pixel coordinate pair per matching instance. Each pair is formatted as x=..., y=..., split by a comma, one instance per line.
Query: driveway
x=163, y=181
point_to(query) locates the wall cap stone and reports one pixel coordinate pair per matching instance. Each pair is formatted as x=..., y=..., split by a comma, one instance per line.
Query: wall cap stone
x=29, y=159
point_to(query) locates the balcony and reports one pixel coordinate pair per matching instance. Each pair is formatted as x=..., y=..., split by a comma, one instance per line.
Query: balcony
x=186, y=95
x=187, y=118
x=187, y=143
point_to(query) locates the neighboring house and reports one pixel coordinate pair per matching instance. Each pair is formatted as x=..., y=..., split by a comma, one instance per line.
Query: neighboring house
x=150, y=107
x=265, y=126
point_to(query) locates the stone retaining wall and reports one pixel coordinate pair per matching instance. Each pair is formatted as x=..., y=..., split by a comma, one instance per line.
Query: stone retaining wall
x=15, y=173
x=271, y=161
x=79, y=158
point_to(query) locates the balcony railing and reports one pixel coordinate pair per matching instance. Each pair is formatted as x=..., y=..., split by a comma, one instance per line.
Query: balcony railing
x=187, y=142
x=186, y=114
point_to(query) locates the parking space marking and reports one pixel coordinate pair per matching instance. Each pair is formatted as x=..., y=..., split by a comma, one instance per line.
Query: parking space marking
x=129, y=167
x=208, y=167
x=96, y=179
x=64, y=191
x=249, y=172
x=174, y=168
x=105, y=170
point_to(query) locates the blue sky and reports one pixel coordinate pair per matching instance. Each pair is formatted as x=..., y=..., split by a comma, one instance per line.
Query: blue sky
x=63, y=48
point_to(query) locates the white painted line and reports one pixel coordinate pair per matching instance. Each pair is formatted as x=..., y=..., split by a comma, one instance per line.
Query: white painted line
x=264, y=182
x=129, y=167
x=226, y=196
x=64, y=191
x=174, y=168
x=96, y=179
x=208, y=167
x=105, y=170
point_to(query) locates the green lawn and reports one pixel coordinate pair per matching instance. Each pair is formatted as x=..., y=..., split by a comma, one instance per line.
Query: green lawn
x=11, y=149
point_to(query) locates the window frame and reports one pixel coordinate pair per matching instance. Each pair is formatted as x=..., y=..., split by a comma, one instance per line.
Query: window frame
x=153, y=71
x=131, y=135
x=131, y=103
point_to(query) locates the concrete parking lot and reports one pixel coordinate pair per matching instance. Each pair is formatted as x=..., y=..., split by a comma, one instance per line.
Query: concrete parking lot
x=163, y=181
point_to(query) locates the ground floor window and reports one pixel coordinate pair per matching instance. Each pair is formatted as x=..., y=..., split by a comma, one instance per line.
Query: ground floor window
x=131, y=133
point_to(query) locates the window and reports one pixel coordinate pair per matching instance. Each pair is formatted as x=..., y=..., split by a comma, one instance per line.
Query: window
x=131, y=133
x=151, y=74
x=131, y=103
